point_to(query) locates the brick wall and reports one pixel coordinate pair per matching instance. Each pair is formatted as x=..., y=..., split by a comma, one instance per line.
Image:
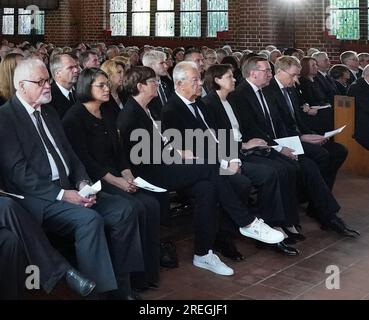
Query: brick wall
x=253, y=24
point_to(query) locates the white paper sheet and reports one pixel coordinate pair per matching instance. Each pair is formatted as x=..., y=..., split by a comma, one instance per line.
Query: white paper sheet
x=11, y=194
x=87, y=190
x=292, y=143
x=334, y=132
x=143, y=184
x=321, y=107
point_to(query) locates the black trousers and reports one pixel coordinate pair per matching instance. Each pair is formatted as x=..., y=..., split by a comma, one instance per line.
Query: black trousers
x=328, y=157
x=279, y=187
x=207, y=188
x=32, y=240
x=86, y=227
x=147, y=208
x=12, y=266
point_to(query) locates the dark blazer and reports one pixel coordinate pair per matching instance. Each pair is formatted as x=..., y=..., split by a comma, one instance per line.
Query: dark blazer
x=313, y=94
x=215, y=107
x=134, y=117
x=353, y=78
x=360, y=90
x=95, y=141
x=111, y=107
x=23, y=160
x=59, y=101
x=294, y=126
x=342, y=90
x=249, y=110
x=176, y=115
x=327, y=86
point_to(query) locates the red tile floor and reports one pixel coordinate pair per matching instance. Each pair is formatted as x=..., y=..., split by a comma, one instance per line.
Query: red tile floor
x=268, y=275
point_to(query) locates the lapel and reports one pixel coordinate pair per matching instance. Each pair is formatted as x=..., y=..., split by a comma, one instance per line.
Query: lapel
x=24, y=125
x=254, y=102
x=183, y=112
x=216, y=107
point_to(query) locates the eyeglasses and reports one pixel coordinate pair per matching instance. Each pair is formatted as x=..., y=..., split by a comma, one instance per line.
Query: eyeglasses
x=41, y=82
x=265, y=70
x=102, y=85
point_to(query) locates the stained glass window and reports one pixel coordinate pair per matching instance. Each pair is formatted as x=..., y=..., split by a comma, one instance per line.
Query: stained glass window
x=28, y=22
x=344, y=19
x=8, y=21
x=165, y=12
x=217, y=16
x=164, y=17
x=190, y=18
x=141, y=17
x=118, y=17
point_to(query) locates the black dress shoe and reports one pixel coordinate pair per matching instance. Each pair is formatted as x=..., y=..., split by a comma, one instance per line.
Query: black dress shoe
x=336, y=224
x=168, y=255
x=229, y=250
x=78, y=283
x=280, y=247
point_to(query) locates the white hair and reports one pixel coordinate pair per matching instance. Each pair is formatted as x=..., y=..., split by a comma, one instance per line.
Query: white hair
x=318, y=55
x=366, y=72
x=179, y=72
x=153, y=56
x=24, y=69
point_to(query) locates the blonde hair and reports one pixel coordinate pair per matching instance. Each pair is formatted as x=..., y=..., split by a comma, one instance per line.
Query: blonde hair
x=7, y=67
x=111, y=66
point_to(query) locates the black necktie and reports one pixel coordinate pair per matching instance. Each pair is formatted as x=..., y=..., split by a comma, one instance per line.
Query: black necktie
x=71, y=97
x=268, y=119
x=203, y=125
x=63, y=178
x=162, y=94
x=286, y=97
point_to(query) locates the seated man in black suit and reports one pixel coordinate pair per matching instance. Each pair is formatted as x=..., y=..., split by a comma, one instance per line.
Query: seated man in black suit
x=37, y=161
x=24, y=243
x=156, y=60
x=259, y=113
x=65, y=71
x=328, y=155
x=360, y=90
x=183, y=112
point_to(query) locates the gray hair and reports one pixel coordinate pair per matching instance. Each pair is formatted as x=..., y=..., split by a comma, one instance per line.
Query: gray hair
x=366, y=72
x=153, y=56
x=24, y=69
x=319, y=54
x=56, y=63
x=179, y=72
x=347, y=55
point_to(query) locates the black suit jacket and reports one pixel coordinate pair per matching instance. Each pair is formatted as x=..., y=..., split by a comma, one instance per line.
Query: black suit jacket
x=327, y=86
x=23, y=160
x=134, y=117
x=59, y=101
x=294, y=126
x=353, y=78
x=176, y=115
x=360, y=90
x=95, y=141
x=216, y=109
x=155, y=105
x=249, y=110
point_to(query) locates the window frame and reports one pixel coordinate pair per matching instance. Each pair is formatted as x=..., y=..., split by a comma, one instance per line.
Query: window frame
x=203, y=27
x=16, y=19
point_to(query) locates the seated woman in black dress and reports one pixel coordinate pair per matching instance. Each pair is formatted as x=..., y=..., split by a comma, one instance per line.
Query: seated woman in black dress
x=92, y=133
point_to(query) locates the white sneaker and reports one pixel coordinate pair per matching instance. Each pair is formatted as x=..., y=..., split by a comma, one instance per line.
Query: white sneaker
x=212, y=262
x=259, y=230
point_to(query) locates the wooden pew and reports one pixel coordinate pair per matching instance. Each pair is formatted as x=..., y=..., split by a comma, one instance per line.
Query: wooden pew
x=357, y=161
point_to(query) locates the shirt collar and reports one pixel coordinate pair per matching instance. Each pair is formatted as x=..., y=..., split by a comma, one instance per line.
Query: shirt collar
x=323, y=73
x=255, y=88
x=185, y=100
x=64, y=91
x=28, y=107
x=281, y=86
